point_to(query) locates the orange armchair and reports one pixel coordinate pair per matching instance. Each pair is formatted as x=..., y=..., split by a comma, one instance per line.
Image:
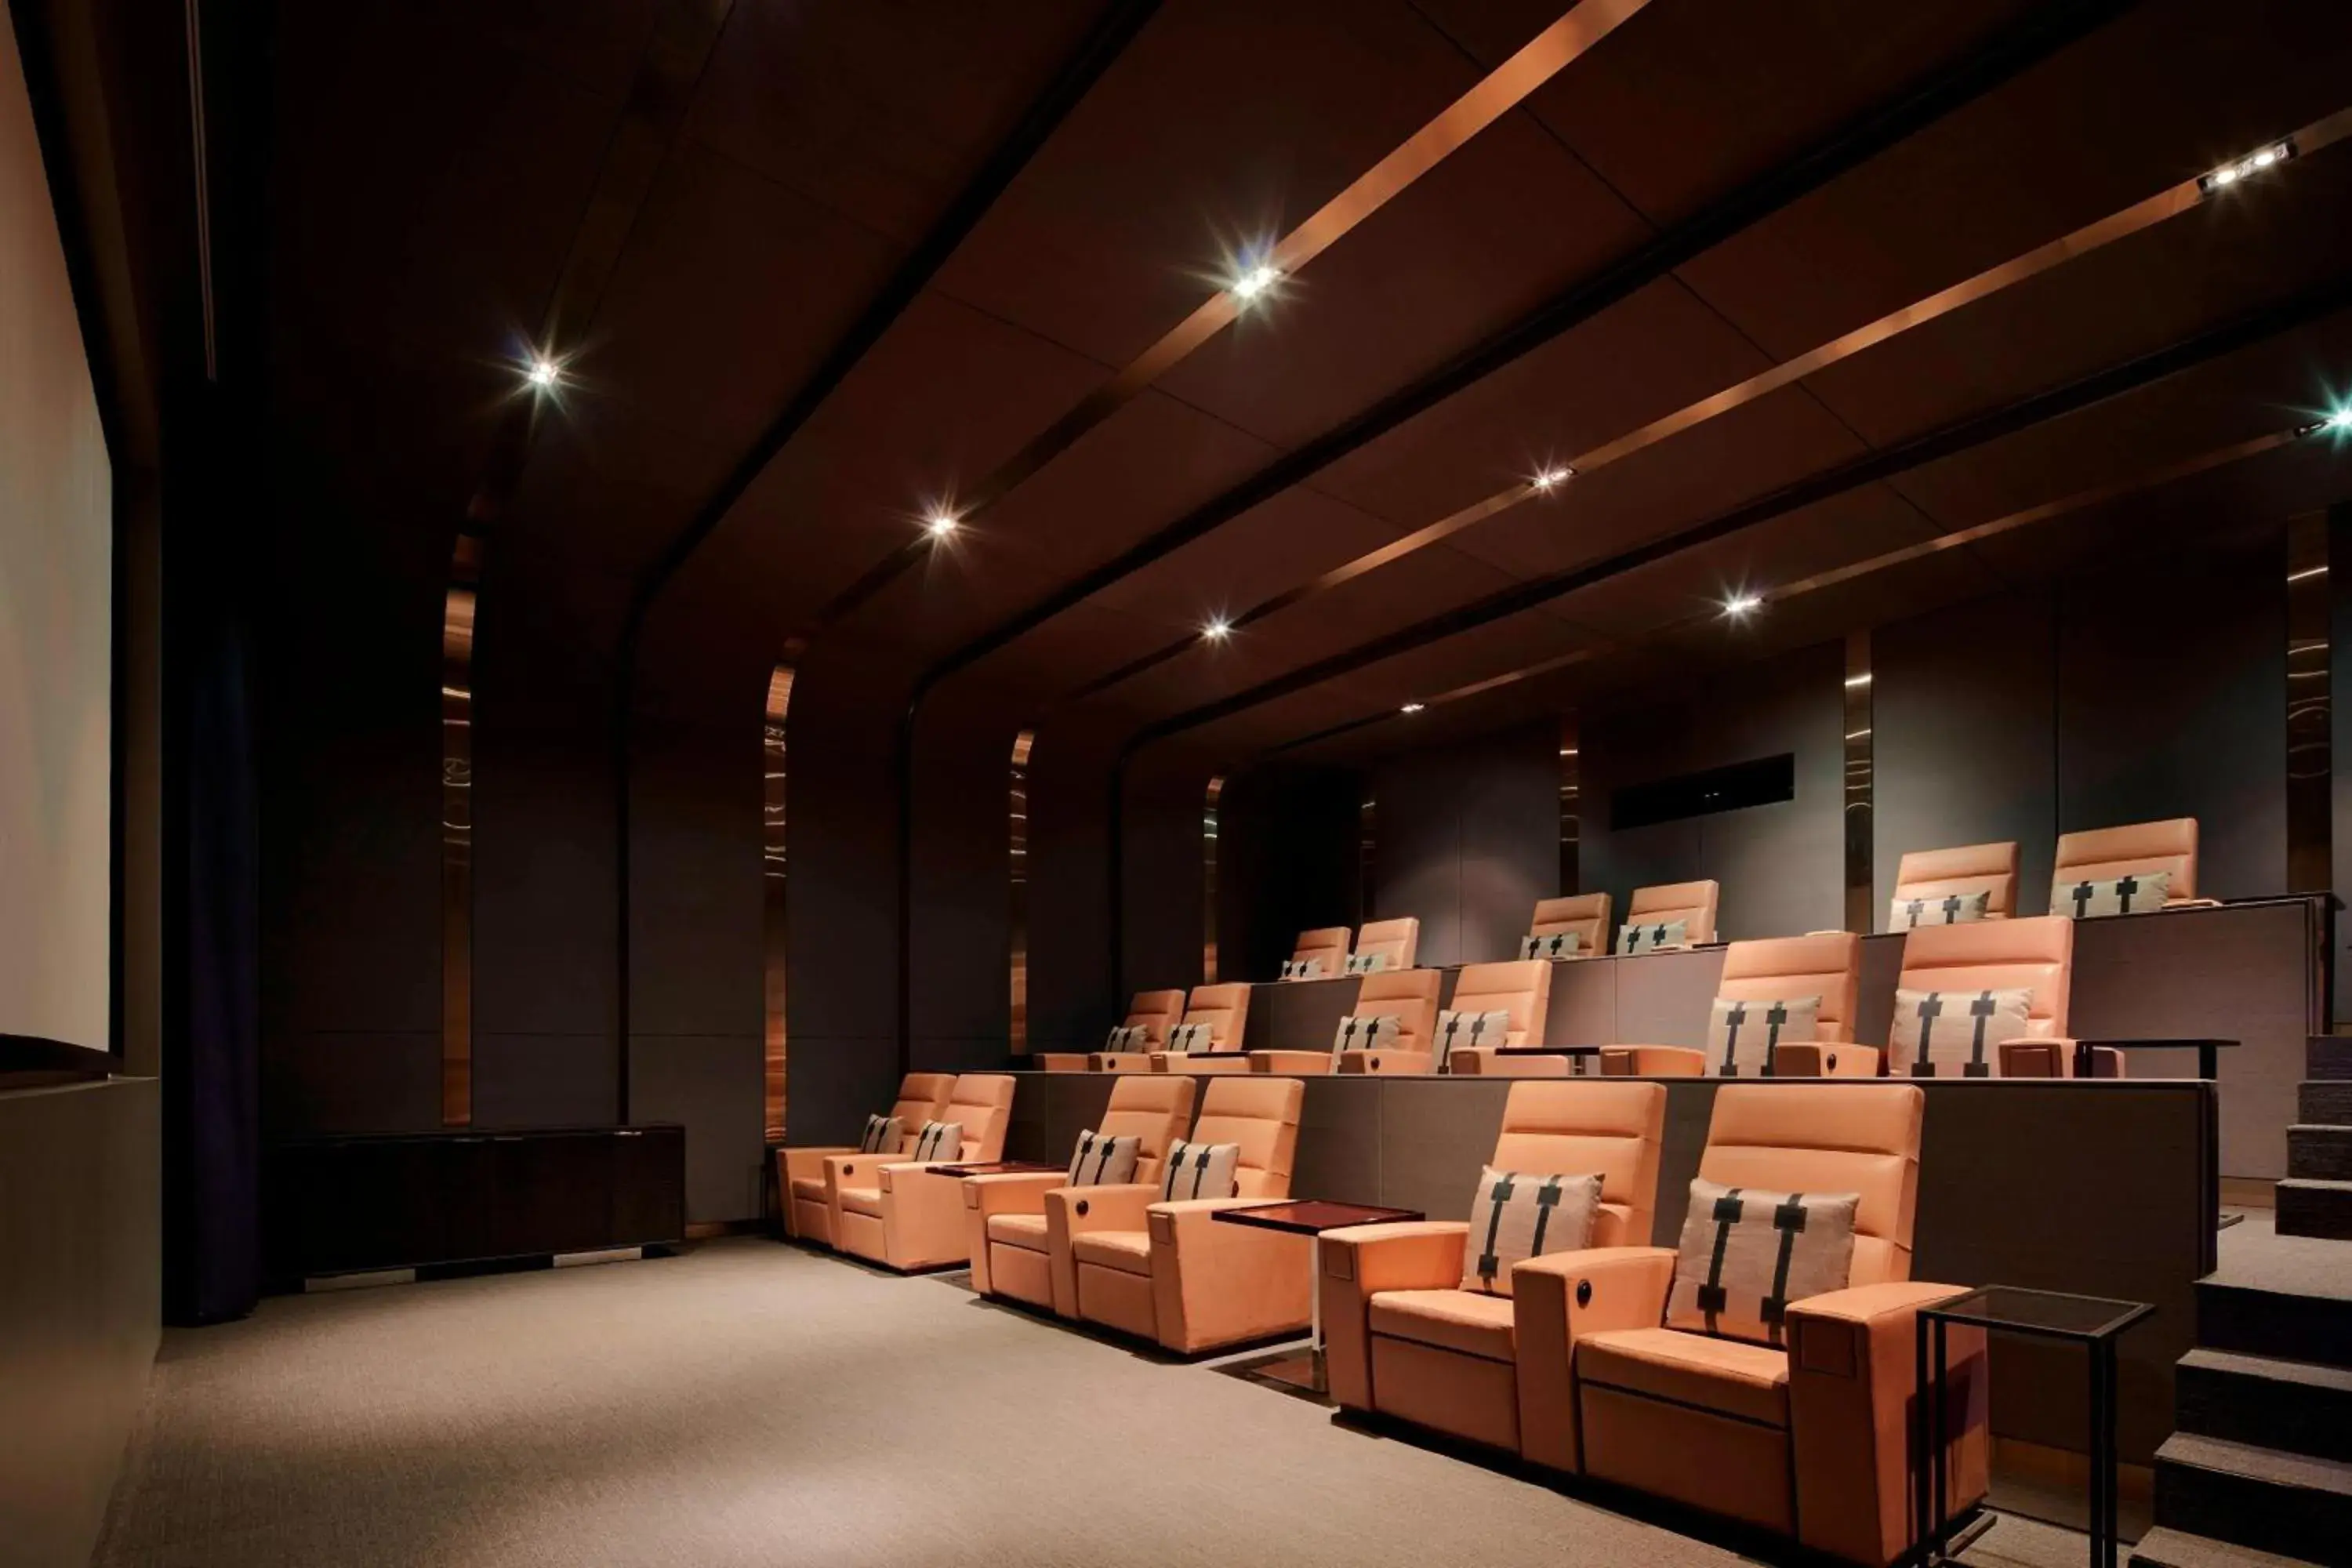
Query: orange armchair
x=799, y=1172
x=1403, y=1338
x=1825, y=964
x=1693, y=904
x=1811, y=1438
x=1153, y=1011
x=1521, y=988
x=1409, y=995
x=1168, y=1271
x=2101, y=854
x=894, y=1211
x=1004, y=1215
x=1326, y=947
x=1393, y=942
x=1584, y=914
x=1225, y=1011
x=1986, y=868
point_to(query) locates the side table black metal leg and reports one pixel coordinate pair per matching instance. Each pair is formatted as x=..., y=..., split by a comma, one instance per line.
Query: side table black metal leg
x=1920, y=1395
x=2208, y=1060
x=1938, y=1425
x=2101, y=1528
x=2107, y=1435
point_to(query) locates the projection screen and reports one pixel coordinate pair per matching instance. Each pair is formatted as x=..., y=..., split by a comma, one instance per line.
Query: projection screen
x=57, y=539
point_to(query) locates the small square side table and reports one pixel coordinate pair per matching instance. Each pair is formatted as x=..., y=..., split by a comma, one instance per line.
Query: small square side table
x=1310, y=1218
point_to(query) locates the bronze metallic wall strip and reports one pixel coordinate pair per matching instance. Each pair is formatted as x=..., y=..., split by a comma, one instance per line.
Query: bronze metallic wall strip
x=1208, y=881
x=1017, y=844
x=1367, y=847
x=458, y=833
x=2144, y=215
x=2310, y=782
x=2080, y=500
x=775, y=866
x=1494, y=95
x=1571, y=806
x=1859, y=787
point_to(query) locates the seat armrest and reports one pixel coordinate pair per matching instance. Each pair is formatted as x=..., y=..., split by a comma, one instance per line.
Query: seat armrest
x=1112, y=1206
x=1852, y=1361
x=855, y=1170
x=2053, y=1056
x=2192, y=903
x=1119, y=1061
x=800, y=1164
x=1013, y=1192
x=1293, y=1062
x=1060, y=1061
x=1558, y=1299
x=1199, y=1061
x=1826, y=1058
x=1213, y=1283
x=1469, y=1060
x=1386, y=1062
x=1359, y=1262
x=922, y=1214
x=1654, y=1061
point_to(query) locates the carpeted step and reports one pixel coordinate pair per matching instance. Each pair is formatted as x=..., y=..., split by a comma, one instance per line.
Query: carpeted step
x=2309, y=1208
x=2291, y=1300
x=2323, y=1152
x=2327, y=1057
x=2291, y=1405
x=2291, y=1504
x=2178, y=1549
x=2326, y=1102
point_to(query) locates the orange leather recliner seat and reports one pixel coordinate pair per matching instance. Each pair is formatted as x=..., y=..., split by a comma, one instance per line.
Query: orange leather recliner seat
x=1153, y=1011
x=1521, y=988
x=1223, y=1012
x=1693, y=904
x=1403, y=1336
x=2102, y=853
x=1583, y=915
x=1325, y=948
x=894, y=1212
x=1168, y=1271
x=1004, y=1215
x=1407, y=995
x=1827, y=964
x=801, y=1180
x=1935, y=874
x=1809, y=1436
x=1393, y=943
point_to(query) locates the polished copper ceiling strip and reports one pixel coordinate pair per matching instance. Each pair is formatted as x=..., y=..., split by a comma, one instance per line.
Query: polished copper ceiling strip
x=2141, y=215
x=2080, y=500
x=1503, y=88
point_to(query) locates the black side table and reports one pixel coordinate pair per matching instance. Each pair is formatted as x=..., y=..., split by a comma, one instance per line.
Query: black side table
x=2094, y=1322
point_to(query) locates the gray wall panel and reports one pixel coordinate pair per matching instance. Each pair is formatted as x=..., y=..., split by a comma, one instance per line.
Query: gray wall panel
x=1663, y=998
x=710, y=1083
x=543, y=1080
x=351, y=1081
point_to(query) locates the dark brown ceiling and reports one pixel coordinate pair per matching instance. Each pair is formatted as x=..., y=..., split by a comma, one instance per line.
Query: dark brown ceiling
x=433, y=160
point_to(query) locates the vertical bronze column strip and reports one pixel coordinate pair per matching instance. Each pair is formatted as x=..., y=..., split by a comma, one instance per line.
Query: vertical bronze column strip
x=774, y=868
x=458, y=833
x=1571, y=807
x=1859, y=770
x=2310, y=785
x=1368, y=846
x=1208, y=880
x=1017, y=836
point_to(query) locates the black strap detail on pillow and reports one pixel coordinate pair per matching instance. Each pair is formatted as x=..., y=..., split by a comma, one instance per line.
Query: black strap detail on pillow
x=1788, y=1219
x=1499, y=1196
x=1931, y=1007
x=1952, y=909
x=1774, y=1017
x=1546, y=1200
x=2082, y=896
x=1732, y=1018
x=1982, y=1010
x=1712, y=1299
x=2126, y=886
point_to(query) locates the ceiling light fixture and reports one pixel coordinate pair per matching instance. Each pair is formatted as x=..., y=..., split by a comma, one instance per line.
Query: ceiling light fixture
x=1255, y=282
x=1217, y=630
x=939, y=524
x=2244, y=168
x=1739, y=606
x=1853, y=681
x=543, y=373
x=1548, y=478
x=2340, y=420
x=1410, y=707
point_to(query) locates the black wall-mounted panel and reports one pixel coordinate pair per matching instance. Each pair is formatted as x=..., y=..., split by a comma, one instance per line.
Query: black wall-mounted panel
x=1763, y=781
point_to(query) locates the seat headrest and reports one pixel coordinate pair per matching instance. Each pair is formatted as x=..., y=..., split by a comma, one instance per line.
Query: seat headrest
x=982, y=1091
x=2099, y=853
x=1827, y=963
x=1693, y=904
x=1399, y=939
x=1398, y=985
x=1988, y=868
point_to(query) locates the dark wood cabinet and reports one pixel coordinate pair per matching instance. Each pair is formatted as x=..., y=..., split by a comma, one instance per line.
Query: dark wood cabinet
x=343, y=1204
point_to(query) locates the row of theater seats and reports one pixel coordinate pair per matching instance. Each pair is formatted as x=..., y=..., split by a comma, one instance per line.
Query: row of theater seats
x=2110, y=870
x=1984, y=998
x=1780, y=1399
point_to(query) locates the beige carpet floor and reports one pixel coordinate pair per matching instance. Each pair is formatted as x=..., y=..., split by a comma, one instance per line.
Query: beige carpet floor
x=751, y=1404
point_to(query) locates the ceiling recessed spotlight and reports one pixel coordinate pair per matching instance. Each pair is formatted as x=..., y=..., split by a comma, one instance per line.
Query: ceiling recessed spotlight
x=1217, y=630
x=543, y=373
x=1741, y=606
x=2237, y=169
x=1548, y=478
x=1255, y=282
x=2340, y=420
x=939, y=524
x=1410, y=707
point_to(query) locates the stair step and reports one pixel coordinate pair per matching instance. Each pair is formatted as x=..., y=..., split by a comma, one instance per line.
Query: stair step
x=2310, y=1207
x=2286, y=1405
x=2324, y=1153
x=2178, y=1549
x=2328, y=1056
x=2324, y=1101
x=2293, y=1504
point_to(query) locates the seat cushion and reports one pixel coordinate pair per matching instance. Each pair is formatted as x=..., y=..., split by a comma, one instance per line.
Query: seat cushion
x=809, y=1187
x=1128, y=1251
x=862, y=1200
x=1731, y=1376
x=1470, y=1321
x=1018, y=1230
